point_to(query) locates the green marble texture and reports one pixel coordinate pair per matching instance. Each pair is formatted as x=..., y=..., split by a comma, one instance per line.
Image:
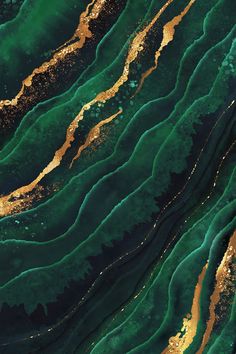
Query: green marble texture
x=106, y=256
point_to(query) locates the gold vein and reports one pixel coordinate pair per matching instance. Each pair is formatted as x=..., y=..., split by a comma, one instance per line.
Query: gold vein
x=94, y=134
x=222, y=274
x=168, y=36
x=82, y=32
x=183, y=339
x=135, y=47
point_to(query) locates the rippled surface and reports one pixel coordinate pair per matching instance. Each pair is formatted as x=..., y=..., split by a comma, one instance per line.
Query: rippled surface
x=117, y=176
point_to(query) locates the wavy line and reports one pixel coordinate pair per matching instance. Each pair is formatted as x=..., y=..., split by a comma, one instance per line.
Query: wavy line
x=172, y=200
x=6, y=206
x=20, y=203
x=151, y=275
x=168, y=36
x=82, y=32
x=220, y=344
x=166, y=266
x=109, y=215
x=11, y=17
x=179, y=344
x=222, y=277
x=194, y=168
x=194, y=42
x=72, y=312
x=11, y=145
x=183, y=339
x=94, y=134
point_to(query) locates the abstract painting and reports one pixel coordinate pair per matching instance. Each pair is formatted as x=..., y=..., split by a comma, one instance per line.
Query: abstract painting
x=117, y=176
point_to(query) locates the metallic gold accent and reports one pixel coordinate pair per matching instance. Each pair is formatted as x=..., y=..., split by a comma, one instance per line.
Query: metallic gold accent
x=182, y=340
x=94, y=135
x=222, y=274
x=168, y=36
x=102, y=97
x=136, y=47
x=82, y=32
x=12, y=203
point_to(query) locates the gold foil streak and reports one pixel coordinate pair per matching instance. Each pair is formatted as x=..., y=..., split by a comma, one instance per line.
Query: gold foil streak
x=179, y=343
x=82, y=32
x=12, y=203
x=223, y=273
x=168, y=36
x=135, y=47
x=94, y=134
